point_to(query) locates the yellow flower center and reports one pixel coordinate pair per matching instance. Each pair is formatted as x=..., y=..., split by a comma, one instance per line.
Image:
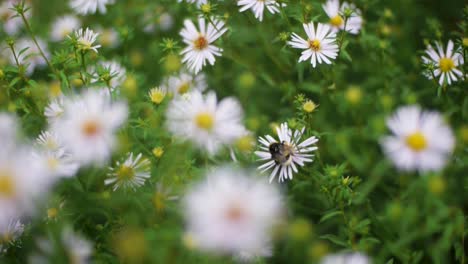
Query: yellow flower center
x=157, y=96
x=183, y=88
x=106, y=38
x=309, y=106
x=200, y=43
x=158, y=152
x=204, y=121
x=84, y=44
x=125, y=173
x=234, y=213
x=336, y=21
x=91, y=128
x=7, y=185
x=416, y=141
x=446, y=64
x=53, y=163
x=314, y=44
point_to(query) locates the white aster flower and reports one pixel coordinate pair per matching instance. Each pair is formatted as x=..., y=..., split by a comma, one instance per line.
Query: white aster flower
x=350, y=258
x=11, y=23
x=448, y=64
x=130, y=174
x=232, y=212
x=185, y=82
x=421, y=140
x=53, y=156
x=320, y=45
x=64, y=26
x=198, y=2
x=9, y=232
x=88, y=126
x=258, y=6
x=86, y=38
x=112, y=73
x=285, y=153
x=199, y=41
x=204, y=121
x=157, y=94
x=79, y=250
x=8, y=127
x=337, y=16
x=54, y=110
x=31, y=57
x=85, y=7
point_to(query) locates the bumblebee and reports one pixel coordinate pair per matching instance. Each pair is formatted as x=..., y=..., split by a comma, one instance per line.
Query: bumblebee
x=281, y=153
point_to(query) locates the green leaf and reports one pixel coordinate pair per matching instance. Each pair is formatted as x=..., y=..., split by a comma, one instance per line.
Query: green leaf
x=330, y=215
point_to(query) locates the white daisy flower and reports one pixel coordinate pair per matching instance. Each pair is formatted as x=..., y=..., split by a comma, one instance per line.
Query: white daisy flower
x=86, y=38
x=85, y=7
x=350, y=258
x=421, y=140
x=130, y=174
x=185, y=82
x=54, y=157
x=12, y=24
x=64, y=26
x=113, y=73
x=31, y=57
x=9, y=233
x=22, y=181
x=88, y=126
x=320, y=45
x=283, y=154
x=448, y=64
x=54, y=110
x=199, y=41
x=258, y=6
x=232, y=212
x=204, y=121
x=337, y=16
x=198, y=2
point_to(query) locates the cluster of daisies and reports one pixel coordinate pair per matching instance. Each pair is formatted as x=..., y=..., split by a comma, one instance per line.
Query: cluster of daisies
x=239, y=210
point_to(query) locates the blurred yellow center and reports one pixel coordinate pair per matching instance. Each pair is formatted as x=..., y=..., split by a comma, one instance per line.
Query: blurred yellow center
x=157, y=96
x=125, y=173
x=309, y=106
x=53, y=163
x=204, y=121
x=183, y=88
x=314, y=44
x=90, y=128
x=200, y=43
x=416, y=141
x=7, y=185
x=336, y=21
x=446, y=64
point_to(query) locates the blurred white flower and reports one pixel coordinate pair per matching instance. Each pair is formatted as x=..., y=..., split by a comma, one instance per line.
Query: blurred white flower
x=8, y=127
x=283, y=154
x=320, y=45
x=88, y=126
x=232, y=212
x=185, y=82
x=9, y=232
x=11, y=24
x=204, y=121
x=109, y=37
x=350, y=258
x=79, y=250
x=166, y=21
x=85, y=7
x=55, y=158
x=31, y=56
x=258, y=7
x=421, y=140
x=198, y=2
x=337, y=16
x=54, y=110
x=130, y=174
x=64, y=26
x=86, y=39
x=199, y=41
x=448, y=64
